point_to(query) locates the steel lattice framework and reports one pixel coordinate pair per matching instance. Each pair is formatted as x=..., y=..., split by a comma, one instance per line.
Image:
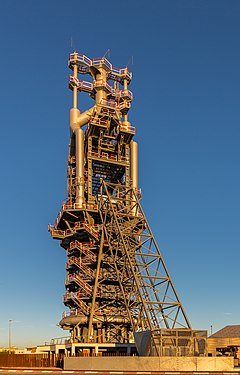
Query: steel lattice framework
x=117, y=283
x=148, y=291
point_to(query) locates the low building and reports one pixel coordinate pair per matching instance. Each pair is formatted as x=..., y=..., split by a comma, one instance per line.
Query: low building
x=37, y=349
x=11, y=350
x=226, y=342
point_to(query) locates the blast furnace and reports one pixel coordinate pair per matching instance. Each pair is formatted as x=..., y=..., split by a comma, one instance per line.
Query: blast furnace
x=118, y=290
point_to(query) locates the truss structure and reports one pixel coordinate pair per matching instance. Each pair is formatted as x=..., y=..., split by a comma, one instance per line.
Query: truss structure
x=148, y=291
x=117, y=283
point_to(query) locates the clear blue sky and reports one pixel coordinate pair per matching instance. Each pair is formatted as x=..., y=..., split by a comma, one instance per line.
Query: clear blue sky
x=186, y=108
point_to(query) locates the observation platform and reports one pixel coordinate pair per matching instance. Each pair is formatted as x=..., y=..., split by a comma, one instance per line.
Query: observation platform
x=84, y=64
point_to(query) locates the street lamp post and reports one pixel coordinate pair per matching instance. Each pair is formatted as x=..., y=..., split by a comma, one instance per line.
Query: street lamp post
x=10, y=333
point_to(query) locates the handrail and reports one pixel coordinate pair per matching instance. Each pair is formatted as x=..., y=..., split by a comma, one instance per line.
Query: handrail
x=100, y=121
x=101, y=60
x=126, y=94
x=84, y=63
x=78, y=225
x=78, y=279
x=123, y=158
x=75, y=296
x=127, y=128
x=88, y=87
x=80, y=58
x=84, y=248
x=103, y=155
x=68, y=206
x=74, y=80
x=102, y=83
x=124, y=104
x=109, y=103
x=75, y=260
x=93, y=153
x=81, y=84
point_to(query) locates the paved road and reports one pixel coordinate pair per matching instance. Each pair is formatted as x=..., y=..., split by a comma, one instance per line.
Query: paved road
x=65, y=372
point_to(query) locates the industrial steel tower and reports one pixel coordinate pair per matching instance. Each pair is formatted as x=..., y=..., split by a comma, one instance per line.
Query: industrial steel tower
x=117, y=285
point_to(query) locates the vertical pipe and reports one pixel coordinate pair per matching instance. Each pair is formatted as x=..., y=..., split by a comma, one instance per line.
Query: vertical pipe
x=10, y=333
x=134, y=164
x=101, y=94
x=134, y=175
x=125, y=88
x=79, y=133
x=75, y=74
x=125, y=84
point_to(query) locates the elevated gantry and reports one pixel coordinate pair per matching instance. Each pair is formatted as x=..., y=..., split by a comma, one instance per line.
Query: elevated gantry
x=118, y=288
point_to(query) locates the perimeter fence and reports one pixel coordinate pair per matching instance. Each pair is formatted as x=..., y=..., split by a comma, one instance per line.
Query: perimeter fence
x=30, y=360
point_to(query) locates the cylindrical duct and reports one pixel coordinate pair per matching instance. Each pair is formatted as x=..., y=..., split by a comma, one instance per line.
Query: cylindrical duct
x=100, y=96
x=79, y=133
x=75, y=74
x=134, y=164
x=100, y=76
x=125, y=115
x=125, y=84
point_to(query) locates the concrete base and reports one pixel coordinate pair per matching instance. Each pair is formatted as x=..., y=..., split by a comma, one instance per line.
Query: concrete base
x=149, y=363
